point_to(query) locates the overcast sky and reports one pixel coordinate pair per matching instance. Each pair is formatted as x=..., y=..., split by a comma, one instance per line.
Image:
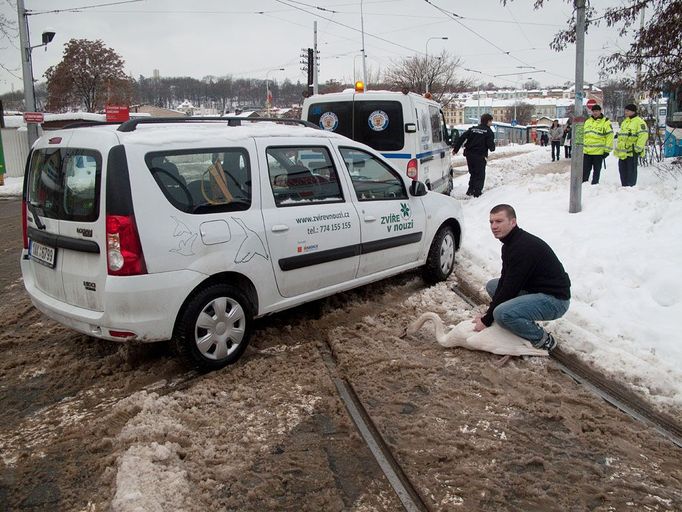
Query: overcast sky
x=251, y=39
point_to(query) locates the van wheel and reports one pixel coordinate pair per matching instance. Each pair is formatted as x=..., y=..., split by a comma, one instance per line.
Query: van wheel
x=215, y=327
x=441, y=259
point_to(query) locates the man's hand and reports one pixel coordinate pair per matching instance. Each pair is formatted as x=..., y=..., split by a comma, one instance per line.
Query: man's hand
x=478, y=325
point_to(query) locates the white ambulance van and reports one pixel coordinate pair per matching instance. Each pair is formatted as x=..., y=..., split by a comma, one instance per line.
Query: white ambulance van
x=407, y=129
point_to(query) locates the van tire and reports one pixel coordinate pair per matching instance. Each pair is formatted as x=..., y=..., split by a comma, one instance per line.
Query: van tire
x=441, y=259
x=220, y=314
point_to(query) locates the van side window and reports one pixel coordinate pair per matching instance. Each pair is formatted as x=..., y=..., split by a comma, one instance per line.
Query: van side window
x=372, y=179
x=436, y=125
x=64, y=183
x=203, y=181
x=302, y=175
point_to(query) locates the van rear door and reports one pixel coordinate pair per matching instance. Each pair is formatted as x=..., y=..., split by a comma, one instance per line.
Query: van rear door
x=65, y=231
x=83, y=230
x=43, y=196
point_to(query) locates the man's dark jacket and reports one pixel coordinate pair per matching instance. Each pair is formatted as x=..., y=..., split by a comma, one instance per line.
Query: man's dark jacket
x=528, y=264
x=479, y=140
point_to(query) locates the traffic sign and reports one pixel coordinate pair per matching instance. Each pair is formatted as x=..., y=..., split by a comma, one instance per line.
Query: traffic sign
x=116, y=113
x=34, y=117
x=591, y=103
x=514, y=122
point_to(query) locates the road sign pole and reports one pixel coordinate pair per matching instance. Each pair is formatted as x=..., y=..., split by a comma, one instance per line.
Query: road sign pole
x=578, y=112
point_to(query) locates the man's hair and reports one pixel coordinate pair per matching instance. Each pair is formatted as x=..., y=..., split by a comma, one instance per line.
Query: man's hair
x=511, y=214
x=485, y=118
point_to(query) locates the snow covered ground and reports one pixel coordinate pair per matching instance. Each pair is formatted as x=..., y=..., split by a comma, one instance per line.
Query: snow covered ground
x=622, y=252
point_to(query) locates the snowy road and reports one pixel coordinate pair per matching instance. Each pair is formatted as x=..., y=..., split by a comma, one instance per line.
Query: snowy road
x=89, y=426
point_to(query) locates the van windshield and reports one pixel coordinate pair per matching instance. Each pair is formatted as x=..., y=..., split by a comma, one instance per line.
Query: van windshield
x=379, y=124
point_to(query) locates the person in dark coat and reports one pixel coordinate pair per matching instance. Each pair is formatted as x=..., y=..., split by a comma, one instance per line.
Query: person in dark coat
x=477, y=141
x=567, y=139
x=533, y=284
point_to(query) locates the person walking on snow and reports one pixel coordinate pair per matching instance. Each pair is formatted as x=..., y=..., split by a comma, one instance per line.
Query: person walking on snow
x=533, y=284
x=597, y=144
x=477, y=141
x=632, y=139
x=567, y=139
x=555, y=134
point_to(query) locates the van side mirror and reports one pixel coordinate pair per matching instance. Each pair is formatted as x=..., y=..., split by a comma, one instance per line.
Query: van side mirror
x=417, y=188
x=410, y=128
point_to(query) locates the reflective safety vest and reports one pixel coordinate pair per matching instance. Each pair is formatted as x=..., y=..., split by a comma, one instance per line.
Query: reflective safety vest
x=598, y=136
x=632, y=137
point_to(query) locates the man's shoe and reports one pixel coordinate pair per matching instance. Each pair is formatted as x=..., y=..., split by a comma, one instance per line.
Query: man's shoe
x=547, y=343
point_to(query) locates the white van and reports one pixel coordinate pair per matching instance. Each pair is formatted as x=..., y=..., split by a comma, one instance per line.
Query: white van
x=407, y=129
x=187, y=229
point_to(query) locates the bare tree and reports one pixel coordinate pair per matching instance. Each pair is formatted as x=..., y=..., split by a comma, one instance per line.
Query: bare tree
x=656, y=50
x=440, y=72
x=9, y=33
x=617, y=94
x=531, y=84
x=524, y=112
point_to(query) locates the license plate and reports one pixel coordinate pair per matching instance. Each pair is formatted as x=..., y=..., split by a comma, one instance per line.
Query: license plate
x=42, y=254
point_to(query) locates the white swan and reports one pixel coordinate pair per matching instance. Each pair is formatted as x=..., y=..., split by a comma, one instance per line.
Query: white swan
x=493, y=339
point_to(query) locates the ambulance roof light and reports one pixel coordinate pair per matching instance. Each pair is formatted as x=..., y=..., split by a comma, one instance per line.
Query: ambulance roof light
x=359, y=86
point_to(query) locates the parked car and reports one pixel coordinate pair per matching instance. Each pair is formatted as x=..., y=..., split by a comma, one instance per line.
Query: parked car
x=187, y=229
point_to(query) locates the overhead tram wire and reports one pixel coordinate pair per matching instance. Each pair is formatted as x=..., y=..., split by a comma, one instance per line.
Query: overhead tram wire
x=454, y=16
x=83, y=8
x=413, y=50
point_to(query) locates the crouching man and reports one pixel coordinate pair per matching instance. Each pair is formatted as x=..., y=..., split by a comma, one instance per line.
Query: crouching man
x=533, y=284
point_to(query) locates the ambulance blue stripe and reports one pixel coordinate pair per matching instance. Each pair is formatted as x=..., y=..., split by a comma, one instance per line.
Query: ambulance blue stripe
x=397, y=155
x=409, y=155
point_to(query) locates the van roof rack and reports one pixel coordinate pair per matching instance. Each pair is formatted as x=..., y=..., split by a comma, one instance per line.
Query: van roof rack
x=131, y=125
x=85, y=124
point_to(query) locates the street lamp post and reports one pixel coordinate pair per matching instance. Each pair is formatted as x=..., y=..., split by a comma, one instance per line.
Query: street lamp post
x=27, y=67
x=268, y=96
x=426, y=53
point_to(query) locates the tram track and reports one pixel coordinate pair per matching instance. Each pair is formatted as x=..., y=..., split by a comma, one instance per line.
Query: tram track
x=406, y=490
x=614, y=393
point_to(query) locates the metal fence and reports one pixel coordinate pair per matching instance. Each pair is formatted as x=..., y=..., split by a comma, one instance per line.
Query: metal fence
x=15, y=147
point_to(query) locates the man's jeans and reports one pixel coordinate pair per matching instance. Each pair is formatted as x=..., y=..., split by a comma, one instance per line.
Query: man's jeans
x=520, y=313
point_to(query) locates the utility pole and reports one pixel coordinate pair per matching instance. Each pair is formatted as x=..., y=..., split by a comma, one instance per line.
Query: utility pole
x=578, y=112
x=315, y=57
x=27, y=68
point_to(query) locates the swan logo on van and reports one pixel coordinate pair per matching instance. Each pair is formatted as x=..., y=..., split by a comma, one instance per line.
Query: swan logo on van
x=329, y=121
x=378, y=120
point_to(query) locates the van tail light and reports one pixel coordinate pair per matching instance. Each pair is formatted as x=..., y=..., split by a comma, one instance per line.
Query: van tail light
x=413, y=169
x=124, y=251
x=24, y=224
